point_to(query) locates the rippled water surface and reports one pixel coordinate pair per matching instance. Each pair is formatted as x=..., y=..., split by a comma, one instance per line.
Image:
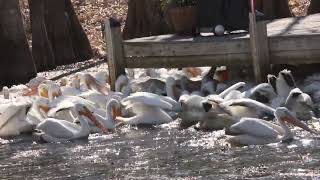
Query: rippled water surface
x=159, y=152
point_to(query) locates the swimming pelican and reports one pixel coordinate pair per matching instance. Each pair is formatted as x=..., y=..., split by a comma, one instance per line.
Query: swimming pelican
x=250, y=131
x=13, y=119
x=56, y=130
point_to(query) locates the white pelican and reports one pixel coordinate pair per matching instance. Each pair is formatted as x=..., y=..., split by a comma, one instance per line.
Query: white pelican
x=192, y=110
x=122, y=85
x=113, y=110
x=91, y=83
x=5, y=92
x=148, y=84
x=38, y=112
x=63, y=82
x=73, y=89
x=103, y=77
x=300, y=104
x=285, y=83
x=32, y=86
x=148, y=109
x=250, y=131
x=171, y=89
x=13, y=119
x=56, y=130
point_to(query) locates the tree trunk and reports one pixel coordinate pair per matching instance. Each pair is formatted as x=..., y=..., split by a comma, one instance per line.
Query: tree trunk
x=15, y=58
x=58, y=32
x=314, y=7
x=41, y=48
x=274, y=9
x=144, y=18
x=81, y=44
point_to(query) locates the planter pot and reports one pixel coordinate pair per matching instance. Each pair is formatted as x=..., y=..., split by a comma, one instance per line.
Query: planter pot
x=184, y=19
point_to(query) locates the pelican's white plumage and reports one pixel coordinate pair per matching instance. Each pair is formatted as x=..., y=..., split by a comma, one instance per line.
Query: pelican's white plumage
x=250, y=131
x=56, y=130
x=148, y=99
x=13, y=119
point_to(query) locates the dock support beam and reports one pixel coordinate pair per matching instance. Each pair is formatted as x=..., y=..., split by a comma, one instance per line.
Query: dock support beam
x=116, y=62
x=259, y=48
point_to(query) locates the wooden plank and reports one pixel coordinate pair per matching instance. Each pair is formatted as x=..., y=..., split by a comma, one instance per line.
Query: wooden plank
x=295, y=57
x=116, y=61
x=259, y=48
x=186, y=48
x=295, y=43
x=188, y=61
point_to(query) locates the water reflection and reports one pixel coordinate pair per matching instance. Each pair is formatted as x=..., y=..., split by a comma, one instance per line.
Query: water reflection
x=159, y=152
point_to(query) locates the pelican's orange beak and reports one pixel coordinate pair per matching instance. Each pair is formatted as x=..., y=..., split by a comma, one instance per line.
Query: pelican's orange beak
x=46, y=109
x=31, y=91
x=89, y=115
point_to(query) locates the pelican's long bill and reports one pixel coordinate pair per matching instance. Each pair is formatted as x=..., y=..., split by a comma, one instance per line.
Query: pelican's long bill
x=290, y=118
x=115, y=113
x=45, y=109
x=89, y=115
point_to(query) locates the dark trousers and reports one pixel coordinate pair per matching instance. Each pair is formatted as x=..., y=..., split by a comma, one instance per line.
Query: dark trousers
x=232, y=14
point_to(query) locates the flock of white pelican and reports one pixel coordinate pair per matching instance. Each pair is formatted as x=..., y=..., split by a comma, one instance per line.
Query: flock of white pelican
x=75, y=107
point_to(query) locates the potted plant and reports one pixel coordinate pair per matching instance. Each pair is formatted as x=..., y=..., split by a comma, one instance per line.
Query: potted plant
x=182, y=15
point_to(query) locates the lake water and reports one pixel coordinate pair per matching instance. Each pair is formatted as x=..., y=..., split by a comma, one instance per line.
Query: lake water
x=163, y=152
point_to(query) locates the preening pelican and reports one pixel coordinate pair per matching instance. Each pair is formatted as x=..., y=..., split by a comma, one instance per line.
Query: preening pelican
x=39, y=110
x=13, y=119
x=55, y=130
x=113, y=110
x=250, y=131
x=91, y=83
x=148, y=109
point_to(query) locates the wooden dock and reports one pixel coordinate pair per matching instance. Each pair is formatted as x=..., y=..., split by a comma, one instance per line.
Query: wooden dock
x=288, y=41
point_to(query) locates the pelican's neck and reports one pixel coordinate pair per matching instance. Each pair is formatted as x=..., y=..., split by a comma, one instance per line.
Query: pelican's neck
x=231, y=88
x=113, y=103
x=170, y=91
x=287, y=132
x=84, y=126
x=283, y=89
x=6, y=93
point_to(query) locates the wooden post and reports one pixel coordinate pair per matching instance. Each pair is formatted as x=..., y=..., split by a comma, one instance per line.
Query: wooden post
x=259, y=48
x=116, y=62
